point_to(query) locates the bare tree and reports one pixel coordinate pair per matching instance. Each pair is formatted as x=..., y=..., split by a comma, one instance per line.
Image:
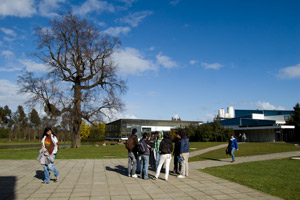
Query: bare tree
x=82, y=77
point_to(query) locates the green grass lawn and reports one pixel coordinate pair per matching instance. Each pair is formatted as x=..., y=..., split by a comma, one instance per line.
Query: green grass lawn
x=84, y=152
x=194, y=146
x=248, y=149
x=276, y=177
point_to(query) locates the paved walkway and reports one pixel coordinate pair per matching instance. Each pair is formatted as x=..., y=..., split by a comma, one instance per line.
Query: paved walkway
x=106, y=179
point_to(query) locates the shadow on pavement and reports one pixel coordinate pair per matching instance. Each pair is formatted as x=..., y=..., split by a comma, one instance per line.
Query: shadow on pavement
x=119, y=169
x=7, y=187
x=39, y=174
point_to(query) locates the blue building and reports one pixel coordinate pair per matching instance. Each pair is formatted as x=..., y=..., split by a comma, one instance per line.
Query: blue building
x=261, y=125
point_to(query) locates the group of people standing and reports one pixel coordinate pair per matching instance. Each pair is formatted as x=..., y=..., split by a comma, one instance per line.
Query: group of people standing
x=157, y=151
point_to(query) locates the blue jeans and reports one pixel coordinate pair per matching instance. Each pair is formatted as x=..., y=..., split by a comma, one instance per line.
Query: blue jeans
x=144, y=166
x=232, y=154
x=51, y=168
x=131, y=161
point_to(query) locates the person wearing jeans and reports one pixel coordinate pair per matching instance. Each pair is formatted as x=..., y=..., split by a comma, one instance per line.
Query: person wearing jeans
x=144, y=158
x=234, y=146
x=132, y=154
x=50, y=142
x=50, y=167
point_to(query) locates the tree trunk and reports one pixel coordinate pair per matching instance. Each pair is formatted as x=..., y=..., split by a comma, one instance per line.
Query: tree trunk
x=76, y=142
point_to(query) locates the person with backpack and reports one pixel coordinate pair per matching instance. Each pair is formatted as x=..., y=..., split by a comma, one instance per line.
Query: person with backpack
x=131, y=145
x=184, y=154
x=165, y=148
x=144, y=153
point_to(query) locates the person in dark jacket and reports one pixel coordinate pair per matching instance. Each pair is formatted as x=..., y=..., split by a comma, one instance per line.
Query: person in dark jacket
x=152, y=161
x=132, y=155
x=165, y=148
x=176, y=153
x=184, y=153
x=144, y=157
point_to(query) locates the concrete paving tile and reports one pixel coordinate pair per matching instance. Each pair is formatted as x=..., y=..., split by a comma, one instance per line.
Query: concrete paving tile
x=100, y=198
x=221, y=196
x=123, y=197
x=140, y=196
x=61, y=195
x=80, y=198
x=41, y=194
x=82, y=194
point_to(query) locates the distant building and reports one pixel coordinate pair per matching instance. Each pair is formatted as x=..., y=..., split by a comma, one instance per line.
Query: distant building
x=261, y=125
x=121, y=129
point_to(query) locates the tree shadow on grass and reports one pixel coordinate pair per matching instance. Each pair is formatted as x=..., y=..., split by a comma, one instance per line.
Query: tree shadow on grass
x=119, y=169
x=7, y=187
x=219, y=160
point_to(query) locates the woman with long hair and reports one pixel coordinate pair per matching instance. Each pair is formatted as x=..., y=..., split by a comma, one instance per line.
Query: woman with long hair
x=50, y=142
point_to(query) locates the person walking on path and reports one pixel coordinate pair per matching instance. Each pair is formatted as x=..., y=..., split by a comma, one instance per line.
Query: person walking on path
x=131, y=145
x=157, y=143
x=234, y=146
x=176, y=154
x=50, y=142
x=144, y=153
x=184, y=154
x=166, y=148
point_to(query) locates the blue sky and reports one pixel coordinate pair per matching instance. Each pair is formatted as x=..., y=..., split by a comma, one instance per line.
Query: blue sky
x=179, y=57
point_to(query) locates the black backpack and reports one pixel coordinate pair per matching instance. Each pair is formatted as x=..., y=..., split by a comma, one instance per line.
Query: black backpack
x=141, y=147
x=166, y=147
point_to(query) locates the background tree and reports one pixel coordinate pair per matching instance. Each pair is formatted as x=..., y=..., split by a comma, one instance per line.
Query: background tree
x=84, y=130
x=21, y=123
x=34, y=123
x=82, y=77
x=295, y=120
x=97, y=132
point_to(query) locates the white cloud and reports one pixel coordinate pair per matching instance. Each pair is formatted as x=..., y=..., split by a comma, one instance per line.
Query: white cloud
x=33, y=66
x=290, y=72
x=93, y=6
x=116, y=31
x=9, y=55
x=9, y=69
x=18, y=8
x=174, y=2
x=211, y=66
x=128, y=3
x=165, y=61
x=135, y=18
x=46, y=7
x=9, y=32
x=267, y=106
x=192, y=62
x=131, y=61
x=10, y=95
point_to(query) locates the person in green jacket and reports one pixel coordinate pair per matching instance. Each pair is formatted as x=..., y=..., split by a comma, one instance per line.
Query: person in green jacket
x=157, y=143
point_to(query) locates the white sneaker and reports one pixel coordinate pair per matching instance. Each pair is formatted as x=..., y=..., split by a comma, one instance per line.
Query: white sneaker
x=134, y=176
x=129, y=175
x=180, y=176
